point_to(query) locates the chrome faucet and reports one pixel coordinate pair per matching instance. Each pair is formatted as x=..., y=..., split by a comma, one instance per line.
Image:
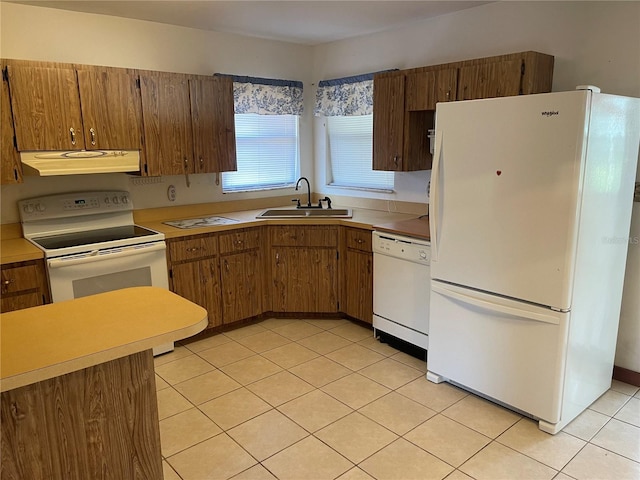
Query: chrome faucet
x=308, y=191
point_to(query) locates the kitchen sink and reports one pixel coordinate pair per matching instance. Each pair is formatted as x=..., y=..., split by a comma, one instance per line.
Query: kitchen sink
x=306, y=213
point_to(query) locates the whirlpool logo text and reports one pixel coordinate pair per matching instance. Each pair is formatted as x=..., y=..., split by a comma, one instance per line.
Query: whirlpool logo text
x=550, y=113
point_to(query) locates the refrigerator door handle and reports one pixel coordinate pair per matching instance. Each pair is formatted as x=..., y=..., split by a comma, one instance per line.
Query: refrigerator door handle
x=452, y=292
x=435, y=202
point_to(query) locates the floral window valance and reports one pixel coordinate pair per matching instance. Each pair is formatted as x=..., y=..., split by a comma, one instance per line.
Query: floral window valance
x=344, y=97
x=266, y=96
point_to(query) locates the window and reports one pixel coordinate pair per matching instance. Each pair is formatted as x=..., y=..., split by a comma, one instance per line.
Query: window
x=350, y=151
x=267, y=150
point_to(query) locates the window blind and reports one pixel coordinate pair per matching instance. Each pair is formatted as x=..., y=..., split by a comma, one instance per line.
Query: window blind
x=350, y=147
x=267, y=153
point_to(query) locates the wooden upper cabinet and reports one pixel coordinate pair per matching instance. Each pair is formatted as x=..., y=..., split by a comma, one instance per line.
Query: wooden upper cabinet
x=166, y=119
x=420, y=93
x=10, y=166
x=496, y=79
x=446, y=85
x=46, y=108
x=213, y=123
x=111, y=109
x=388, y=122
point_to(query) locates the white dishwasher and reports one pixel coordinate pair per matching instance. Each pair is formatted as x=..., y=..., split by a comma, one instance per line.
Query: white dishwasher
x=401, y=287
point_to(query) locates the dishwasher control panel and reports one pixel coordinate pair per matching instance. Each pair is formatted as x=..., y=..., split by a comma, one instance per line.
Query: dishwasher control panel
x=406, y=248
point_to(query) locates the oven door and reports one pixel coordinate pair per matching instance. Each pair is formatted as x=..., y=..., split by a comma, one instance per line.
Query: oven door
x=77, y=276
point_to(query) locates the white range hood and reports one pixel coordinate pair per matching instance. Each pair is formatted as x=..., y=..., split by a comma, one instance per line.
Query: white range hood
x=78, y=162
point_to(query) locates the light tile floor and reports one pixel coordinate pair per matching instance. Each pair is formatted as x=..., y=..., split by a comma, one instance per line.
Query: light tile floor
x=322, y=399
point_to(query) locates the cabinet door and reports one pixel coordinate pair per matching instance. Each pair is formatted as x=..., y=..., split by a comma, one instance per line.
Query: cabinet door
x=446, y=85
x=111, y=110
x=420, y=91
x=241, y=286
x=23, y=285
x=358, y=296
x=166, y=120
x=10, y=167
x=388, y=122
x=304, y=279
x=497, y=79
x=198, y=282
x=46, y=108
x=214, y=138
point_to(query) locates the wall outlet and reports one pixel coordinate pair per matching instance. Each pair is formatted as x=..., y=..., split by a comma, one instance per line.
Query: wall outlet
x=171, y=193
x=636, y=193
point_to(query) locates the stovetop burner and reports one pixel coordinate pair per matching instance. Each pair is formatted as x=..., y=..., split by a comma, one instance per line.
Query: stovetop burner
x=92, y=237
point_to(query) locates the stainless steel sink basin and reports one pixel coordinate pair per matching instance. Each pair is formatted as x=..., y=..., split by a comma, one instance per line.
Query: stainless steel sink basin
x=306, y=213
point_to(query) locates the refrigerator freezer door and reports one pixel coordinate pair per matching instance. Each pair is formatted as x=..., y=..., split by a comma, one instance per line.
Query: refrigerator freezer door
x=505, y=194
x=512, y=352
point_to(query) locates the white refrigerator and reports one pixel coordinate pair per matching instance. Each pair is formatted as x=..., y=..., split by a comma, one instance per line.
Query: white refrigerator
x=530, y=210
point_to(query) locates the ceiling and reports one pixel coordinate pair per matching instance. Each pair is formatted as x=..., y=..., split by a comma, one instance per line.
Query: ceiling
x=301, y=22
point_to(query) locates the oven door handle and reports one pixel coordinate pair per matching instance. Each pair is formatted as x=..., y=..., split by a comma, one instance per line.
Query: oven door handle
x=95, y=257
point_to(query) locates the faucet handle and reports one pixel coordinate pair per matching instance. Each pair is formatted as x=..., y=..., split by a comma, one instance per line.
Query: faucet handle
x=325, y=199
x=297, y=200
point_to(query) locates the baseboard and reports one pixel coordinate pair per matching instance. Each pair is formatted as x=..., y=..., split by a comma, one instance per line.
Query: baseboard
x=627, y=376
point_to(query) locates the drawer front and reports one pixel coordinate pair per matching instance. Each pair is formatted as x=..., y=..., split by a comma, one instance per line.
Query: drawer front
x=17, y=279
x=193, y=248
x=307, y=236
x=239, y=241
x=359, y=239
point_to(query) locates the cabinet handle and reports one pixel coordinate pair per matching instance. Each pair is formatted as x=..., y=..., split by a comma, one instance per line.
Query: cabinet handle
x=448, y=94
x=92, y=133
x=277, y=259
x=359, y=240
x=239, y=242
x=7, y=282
x=186, y=172
x=72, y=132
x=201, y=164
x=226, y=265
x=395, y=160
x=193, y=249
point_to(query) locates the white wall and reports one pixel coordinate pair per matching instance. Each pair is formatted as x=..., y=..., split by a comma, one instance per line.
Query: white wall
x=35, y=33
x=593, y=42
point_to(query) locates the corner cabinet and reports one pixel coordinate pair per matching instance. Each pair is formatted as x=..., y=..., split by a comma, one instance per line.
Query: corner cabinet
x=404, y=101
x=357, y=290
x=24, y=285
x=194, y=273
x=304, y=268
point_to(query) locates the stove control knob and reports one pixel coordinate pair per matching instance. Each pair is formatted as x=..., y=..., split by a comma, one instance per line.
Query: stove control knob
x=39, y=207
x=116, y=200
x=107, y=200
x=28, y=208
x=423, y=255
x=124, y=199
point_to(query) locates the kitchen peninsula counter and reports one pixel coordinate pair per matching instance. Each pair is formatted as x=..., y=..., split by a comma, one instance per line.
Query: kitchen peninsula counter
x=78, y=384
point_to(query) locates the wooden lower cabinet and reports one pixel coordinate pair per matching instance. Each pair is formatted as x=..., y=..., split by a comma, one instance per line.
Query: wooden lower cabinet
x=99, y=422
x=199, y=282
x=195, y=275
x=304, y=269
x=24, y=285
x=357, y=290
x=243, y=273
x=241, y=267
